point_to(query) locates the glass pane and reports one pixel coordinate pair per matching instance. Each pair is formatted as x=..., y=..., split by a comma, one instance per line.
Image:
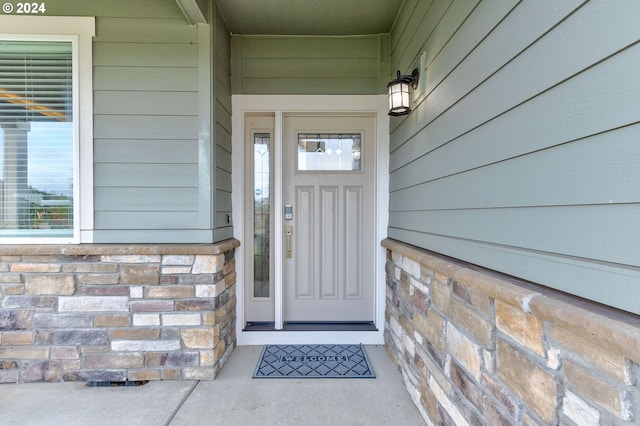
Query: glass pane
x=329, y=152
x=261, y=214
x=36, y=139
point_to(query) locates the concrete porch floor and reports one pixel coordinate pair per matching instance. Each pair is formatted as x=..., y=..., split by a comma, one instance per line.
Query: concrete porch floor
x=234, y=398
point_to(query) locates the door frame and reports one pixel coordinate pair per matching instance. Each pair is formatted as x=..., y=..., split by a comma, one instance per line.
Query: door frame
x=279, y=105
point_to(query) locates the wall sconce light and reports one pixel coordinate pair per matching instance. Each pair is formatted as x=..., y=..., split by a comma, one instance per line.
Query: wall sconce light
x=399, y=96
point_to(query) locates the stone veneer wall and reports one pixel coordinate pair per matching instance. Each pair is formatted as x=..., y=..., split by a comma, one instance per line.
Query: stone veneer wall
x=116, y=312
x=479, y=348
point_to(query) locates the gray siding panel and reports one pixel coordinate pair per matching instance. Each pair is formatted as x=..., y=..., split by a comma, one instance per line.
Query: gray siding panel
x=522, y=155
x=145, y=103
x=137, y=199
x=146, y=123
x=309, y=65
x=222, y=130
x=145, y=79
x=155, y=173
x=142, y=151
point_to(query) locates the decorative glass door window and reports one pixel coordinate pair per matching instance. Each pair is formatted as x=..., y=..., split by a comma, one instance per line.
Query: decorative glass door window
x=261, y=214
x=329, y=151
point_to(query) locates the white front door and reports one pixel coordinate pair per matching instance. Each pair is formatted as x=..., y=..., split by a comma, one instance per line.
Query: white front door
x=329, y=217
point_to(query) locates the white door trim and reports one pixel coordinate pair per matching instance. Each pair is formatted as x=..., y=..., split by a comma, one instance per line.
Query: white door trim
x=278, y=105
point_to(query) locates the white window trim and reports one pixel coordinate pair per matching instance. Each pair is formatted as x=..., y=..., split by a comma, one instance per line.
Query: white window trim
x=79, y=30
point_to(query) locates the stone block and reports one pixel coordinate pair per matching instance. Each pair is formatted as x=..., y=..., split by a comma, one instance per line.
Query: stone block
x=98, y=279
x=464, y=350
x=411, y=267
x=209, y=318
x=12, y=320
x=113, y=360
x=136, y=375
x=468, y=410
x=169, y=320
x=71, y=364
x=195, y=279
x=440, y=296
x=41, y=371
x=8, y=365
x=207, y=264
x=140, y=274
x=171, y=374
x=111, y=320
x=445, y=402
x=151, y=306
x=144, y=320
x=195, y=338
x=136, y=292
x=12, y=289
x=95, y=376
x=205, y=373
x=67, y=337
x=64, y=352
x=478, y=300
x=93, y=304
x=130, y=258
x=145, y=345
x=525, y=328
x=36, y=267
x=502, y=398
x=10, y=278
x=90, y=268
x=9, y=376
x=578, y=411
x=169, y=292
x=182, y=260
x=169, y=279
x=465, y=317
x=134, y=333
x=173, y=359
x=111, y=290
x=230, y=279
x=430, y=332
x=176, y=270
x=24, y=352
x=29, y=302
x=195, y=305
x=535, y=386
x=9, y=338
x=208, y=358
x=170, y=332
x=585, y=383
x=210, y=290
x=229, y=266
x=605, y=359
x=94, y=349
x=421, y=301
x=465, y=384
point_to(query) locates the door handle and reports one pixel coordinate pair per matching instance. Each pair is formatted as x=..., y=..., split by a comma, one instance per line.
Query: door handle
x=288, y=232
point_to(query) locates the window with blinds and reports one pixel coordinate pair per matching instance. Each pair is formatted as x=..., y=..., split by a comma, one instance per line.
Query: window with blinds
x=36, y=139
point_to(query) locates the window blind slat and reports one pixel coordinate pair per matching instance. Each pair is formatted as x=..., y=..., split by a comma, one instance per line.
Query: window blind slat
x=36, y=138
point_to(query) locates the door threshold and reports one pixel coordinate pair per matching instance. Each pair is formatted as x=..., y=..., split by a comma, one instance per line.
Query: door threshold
x=313, y=326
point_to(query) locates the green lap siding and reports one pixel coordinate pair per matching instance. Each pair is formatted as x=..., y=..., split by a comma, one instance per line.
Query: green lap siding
x=309, y=64
x=521, y=155
x=157, y=176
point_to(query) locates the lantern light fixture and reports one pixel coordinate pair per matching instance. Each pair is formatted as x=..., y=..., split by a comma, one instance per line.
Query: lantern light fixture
x=399, y=95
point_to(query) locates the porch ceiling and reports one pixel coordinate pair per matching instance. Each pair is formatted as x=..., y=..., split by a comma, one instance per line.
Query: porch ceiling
x=309, y=17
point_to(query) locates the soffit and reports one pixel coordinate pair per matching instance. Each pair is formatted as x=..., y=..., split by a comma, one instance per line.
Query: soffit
x=309, y=17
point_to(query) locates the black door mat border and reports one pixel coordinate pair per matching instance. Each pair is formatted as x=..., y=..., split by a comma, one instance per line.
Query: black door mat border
x=312, y=326
x=313, y=361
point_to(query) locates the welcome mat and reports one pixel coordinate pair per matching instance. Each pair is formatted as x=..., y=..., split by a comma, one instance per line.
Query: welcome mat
x=313, y=361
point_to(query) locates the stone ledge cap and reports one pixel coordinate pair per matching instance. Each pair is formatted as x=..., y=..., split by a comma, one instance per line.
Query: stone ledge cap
x=116, y=249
